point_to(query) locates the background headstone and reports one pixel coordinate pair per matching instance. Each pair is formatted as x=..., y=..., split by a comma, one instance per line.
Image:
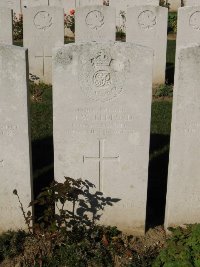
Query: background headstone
x=88, y=2
x=95, y=23
x=66, y=4
x=147, y=25
x=188, y=28
x=6, y=26
x=183, y=193
x=34, y=3
x=15, y=170
x=174, y=5
x=43, y=30
x=102, y=106
x=191, y=2
x=15, y=5
x=121, y=9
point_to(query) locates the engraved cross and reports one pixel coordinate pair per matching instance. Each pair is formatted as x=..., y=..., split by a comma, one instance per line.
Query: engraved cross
x=101, y=158
x=43, y=56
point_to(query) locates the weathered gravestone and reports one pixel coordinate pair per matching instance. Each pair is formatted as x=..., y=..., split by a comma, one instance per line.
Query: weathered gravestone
x=121, y=9
x=15, y=170
x=188, y=28
x=102, y=106
x=68, y=7
x=88, y=2
x=191, y=2
x=95, y=23
x=15, y=5
x=43, y=30
x=183, y=193
x=6, y=26
x=147, y=25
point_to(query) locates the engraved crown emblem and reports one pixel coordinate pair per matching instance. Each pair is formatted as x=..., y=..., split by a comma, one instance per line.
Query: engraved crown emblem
x=102, y=58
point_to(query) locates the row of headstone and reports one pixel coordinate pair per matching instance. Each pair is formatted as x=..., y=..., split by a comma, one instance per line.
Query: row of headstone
x=44, y=29
x=18, y=6
x=104, y=133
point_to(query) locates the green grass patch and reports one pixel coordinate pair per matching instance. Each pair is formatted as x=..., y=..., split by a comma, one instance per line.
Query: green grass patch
x=161, y=117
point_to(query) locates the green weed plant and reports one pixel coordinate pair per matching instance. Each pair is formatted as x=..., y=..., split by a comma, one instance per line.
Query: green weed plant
x=182, y=248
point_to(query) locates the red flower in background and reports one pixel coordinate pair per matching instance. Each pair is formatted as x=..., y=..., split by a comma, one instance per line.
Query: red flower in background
x=72, y=12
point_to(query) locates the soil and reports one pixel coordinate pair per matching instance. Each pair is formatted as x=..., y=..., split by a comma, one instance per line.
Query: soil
x=154, y=239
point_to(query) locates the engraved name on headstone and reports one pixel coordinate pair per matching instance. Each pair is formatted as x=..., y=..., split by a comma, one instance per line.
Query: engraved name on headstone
x=102, y=123
x=95, y=23
x=147, y=25
x=15, y=163
x=43, y=30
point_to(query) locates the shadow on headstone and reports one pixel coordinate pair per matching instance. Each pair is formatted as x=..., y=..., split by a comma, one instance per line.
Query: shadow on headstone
x=157, y=182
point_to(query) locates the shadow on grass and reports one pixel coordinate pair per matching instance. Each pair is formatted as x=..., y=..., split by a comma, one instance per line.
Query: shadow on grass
x=43, y=170
x=169, y=73
x=157, y=181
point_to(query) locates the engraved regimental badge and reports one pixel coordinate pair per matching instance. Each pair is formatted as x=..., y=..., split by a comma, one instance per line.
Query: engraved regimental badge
x=102, y=76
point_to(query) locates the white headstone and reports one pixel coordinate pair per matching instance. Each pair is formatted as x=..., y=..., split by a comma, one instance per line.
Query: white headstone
x=191, y=2
x=43, y=30
x=147, y=25
x=6, y=26
x=188, y=28
x=15, y=170
x=102, y=105
x=15, y=5
x=95, y=23
x=183, y=193
x=121, y=9
x=88, y=2
x=66, y=4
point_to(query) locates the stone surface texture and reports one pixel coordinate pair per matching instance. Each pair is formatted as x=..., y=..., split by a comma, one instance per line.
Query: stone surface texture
x=188, y=28
x=6, y=26
x=43, y=30
x=15, y=170
x=34, y=3
x=66, y=4
x=191, y=2
x=174, y=4
x=15, y=5
x=88, y=2
x=102, y=109
x=183, y=193
x=121, y=9
x=95, y=23
x=147, y=25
